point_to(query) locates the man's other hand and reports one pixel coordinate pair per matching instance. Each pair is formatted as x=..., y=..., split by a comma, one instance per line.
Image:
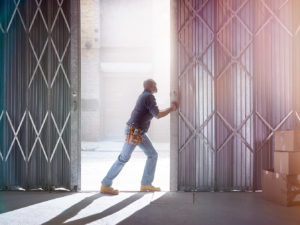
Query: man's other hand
x=174, y=106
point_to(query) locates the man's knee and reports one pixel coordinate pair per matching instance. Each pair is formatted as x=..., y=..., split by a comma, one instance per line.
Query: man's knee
x=123, y=158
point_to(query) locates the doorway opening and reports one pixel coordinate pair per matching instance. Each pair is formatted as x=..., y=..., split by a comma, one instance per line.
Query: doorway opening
x=123, y=43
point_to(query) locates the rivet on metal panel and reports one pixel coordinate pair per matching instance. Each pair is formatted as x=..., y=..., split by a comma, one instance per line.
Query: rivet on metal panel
x=74, y=105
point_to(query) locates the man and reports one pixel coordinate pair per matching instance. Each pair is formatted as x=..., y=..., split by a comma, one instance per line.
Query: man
x=136, y=129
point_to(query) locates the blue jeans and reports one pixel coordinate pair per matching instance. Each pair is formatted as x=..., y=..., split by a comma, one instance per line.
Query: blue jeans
x=124, y=156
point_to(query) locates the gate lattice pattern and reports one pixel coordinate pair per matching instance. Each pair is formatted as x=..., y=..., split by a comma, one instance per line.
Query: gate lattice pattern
x=237, y=77
x=36, y=97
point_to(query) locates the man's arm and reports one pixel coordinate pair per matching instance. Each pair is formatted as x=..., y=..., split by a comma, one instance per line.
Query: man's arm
x=165, y=112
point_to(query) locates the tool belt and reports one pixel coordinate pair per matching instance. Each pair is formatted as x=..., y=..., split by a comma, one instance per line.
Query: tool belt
x=134, y=136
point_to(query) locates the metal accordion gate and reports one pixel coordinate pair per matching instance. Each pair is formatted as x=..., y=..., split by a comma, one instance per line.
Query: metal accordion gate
x=39, y=72
x=237, y=79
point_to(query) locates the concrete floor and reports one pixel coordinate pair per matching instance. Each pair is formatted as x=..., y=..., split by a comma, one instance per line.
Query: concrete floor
x=130, y=208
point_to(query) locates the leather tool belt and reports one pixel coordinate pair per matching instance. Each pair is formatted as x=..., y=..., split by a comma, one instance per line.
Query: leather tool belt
x=134, y=136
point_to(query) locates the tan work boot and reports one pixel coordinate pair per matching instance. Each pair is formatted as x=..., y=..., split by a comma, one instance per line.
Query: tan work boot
x=149, y=188
x=108, y=190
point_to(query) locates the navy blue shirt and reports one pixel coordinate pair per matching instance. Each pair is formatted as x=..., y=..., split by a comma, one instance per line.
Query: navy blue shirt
x=144, y=110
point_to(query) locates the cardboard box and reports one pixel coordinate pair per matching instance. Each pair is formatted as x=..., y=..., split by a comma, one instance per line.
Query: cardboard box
x=288, y=140
x=287, y=162
x=280, y=188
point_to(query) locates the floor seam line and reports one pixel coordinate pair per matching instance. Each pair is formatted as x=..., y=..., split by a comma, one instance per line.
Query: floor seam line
x=193, y=198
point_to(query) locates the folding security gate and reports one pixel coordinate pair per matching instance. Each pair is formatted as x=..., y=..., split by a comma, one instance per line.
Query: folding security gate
x=237, y=79
x=39, y=68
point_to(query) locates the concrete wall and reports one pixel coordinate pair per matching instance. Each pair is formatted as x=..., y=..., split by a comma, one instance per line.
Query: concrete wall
x=121, y=47
x=90, y=70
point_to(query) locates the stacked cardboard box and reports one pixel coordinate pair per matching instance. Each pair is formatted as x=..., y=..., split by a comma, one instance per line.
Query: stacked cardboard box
x=282, y=185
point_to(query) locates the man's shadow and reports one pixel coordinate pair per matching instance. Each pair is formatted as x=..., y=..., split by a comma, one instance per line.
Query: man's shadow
x=74, y=209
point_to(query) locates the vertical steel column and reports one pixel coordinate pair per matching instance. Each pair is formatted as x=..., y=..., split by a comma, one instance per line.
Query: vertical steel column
x=174, y=97
x=296, y=64
x=76, y=97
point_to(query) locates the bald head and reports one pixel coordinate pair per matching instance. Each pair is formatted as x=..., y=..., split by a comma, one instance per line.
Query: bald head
x=150, y=85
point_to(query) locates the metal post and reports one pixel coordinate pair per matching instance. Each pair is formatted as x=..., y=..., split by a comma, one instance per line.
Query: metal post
x=76, y=96
x=174, y=96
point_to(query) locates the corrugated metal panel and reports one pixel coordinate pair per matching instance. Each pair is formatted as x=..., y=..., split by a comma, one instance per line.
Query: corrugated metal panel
x=235, y=62
x=35, y=71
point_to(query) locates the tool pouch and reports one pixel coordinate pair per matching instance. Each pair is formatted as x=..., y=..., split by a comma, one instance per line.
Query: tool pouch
x=133, y=136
